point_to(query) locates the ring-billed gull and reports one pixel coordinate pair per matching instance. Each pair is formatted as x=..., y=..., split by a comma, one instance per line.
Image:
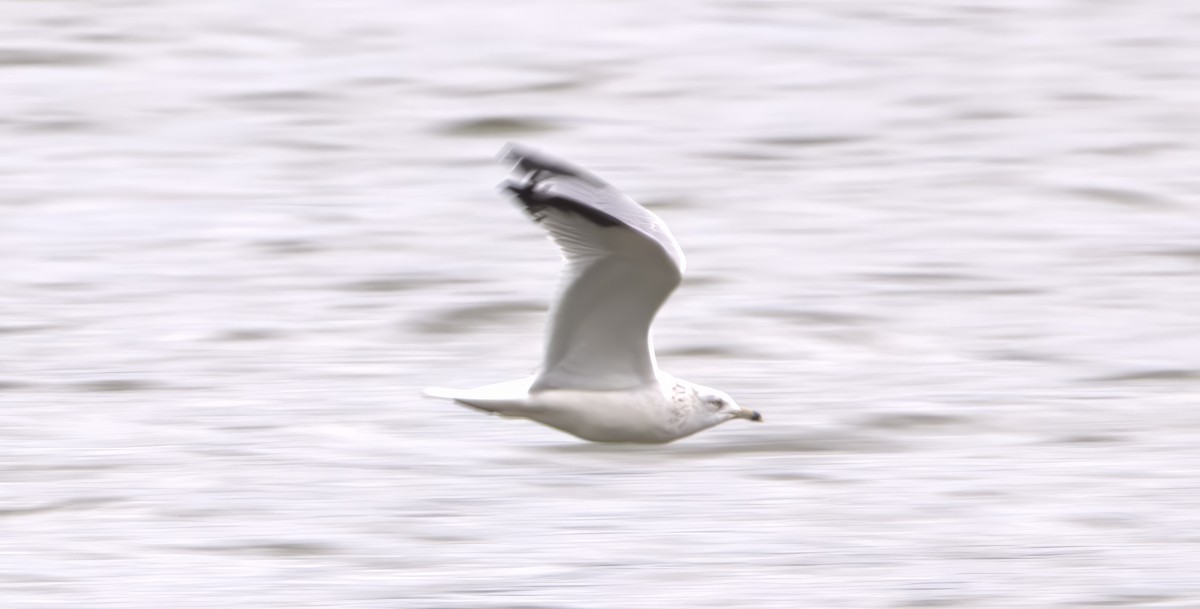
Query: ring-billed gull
x=599, y=379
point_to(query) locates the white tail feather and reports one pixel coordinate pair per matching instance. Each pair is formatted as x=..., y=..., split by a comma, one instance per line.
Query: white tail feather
x=442, y=393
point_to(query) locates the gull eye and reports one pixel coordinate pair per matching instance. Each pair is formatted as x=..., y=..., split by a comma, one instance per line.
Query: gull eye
x=717, y=403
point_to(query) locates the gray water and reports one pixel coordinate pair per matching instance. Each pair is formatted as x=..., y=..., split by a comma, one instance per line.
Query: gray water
x=950, y=250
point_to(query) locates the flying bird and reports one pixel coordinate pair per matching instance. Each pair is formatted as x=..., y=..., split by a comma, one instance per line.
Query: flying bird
x=599, y=379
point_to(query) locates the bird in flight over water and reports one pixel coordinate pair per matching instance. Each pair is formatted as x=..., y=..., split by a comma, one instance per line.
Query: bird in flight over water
x=599, y=379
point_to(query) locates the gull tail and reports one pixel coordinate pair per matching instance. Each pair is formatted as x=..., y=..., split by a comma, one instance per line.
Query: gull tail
x=509, y=398
x=444, y=393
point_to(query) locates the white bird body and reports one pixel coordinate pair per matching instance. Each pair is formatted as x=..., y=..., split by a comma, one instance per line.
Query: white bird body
x=599, y=379
x=654, y=413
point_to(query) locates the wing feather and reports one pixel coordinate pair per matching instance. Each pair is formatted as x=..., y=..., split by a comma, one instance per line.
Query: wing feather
x=621, y=264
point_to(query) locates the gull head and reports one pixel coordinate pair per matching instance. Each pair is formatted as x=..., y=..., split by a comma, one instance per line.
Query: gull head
x=722, y=407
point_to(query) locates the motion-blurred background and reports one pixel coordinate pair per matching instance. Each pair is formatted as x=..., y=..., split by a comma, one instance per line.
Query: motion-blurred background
x=950, y=249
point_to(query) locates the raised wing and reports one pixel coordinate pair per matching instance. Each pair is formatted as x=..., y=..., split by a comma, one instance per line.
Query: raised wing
x=621, y=265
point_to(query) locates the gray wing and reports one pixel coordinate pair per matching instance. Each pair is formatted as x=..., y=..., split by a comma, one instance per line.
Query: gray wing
x=621, y=264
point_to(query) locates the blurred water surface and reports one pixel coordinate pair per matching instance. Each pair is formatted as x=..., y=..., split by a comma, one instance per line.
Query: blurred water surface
x=950, y=250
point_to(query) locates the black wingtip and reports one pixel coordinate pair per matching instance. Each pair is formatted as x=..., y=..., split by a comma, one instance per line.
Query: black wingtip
x=530, y=161
x=536, y=202
x=534, y=167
